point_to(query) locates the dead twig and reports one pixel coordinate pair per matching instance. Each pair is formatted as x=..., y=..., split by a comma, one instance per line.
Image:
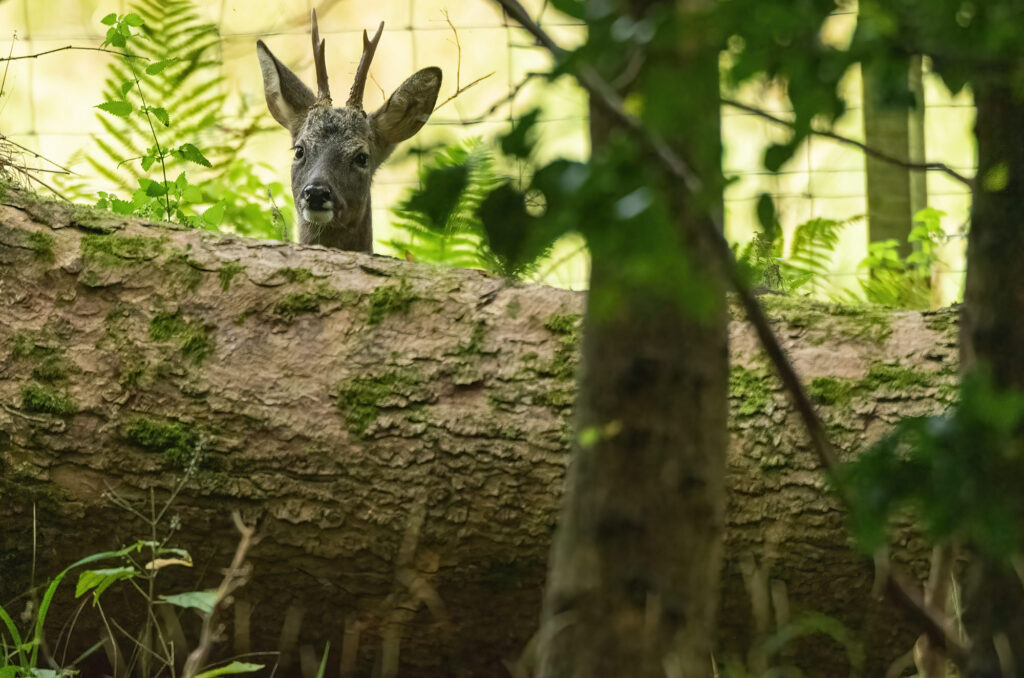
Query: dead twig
x=235, y=576
x=898, y=587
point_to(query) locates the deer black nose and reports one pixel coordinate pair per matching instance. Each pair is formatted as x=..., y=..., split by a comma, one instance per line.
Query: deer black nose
x=317, y=197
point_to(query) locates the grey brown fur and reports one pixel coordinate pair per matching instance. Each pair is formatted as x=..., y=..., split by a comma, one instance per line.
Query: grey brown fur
x=337, y=150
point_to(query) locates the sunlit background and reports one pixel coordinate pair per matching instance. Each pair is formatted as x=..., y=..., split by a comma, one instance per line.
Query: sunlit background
x=48, y=106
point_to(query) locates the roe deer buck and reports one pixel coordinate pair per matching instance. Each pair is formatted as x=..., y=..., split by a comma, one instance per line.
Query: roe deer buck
x=337, y=150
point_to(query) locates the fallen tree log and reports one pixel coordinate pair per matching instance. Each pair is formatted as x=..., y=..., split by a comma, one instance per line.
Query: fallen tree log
x=399, y=432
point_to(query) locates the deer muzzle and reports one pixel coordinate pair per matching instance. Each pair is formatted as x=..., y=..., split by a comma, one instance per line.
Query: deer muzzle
x=318, y=205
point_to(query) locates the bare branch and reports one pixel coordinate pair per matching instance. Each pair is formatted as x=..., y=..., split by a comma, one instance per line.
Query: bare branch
x=74, y=47
x=603, y=94
x=867, y=150
x=23, y=149
x=235, y=576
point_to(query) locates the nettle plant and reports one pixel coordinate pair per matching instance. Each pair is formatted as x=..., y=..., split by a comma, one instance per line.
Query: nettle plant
x=163, y=197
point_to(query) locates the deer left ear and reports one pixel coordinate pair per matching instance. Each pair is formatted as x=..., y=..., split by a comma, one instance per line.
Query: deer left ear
x=407, y=110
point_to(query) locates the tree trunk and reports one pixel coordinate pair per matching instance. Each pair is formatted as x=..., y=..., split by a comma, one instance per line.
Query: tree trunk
x=992, y=338
x=633, y=582
x=400, y=432
x=894, y=193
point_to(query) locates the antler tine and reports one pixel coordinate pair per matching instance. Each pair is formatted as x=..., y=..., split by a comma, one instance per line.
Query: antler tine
x=355, y=97
x=323, y=89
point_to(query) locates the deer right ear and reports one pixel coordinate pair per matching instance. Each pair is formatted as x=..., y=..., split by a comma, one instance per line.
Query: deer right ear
x=287, y=98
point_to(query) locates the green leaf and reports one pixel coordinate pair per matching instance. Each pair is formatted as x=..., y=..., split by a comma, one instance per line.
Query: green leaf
x=199, y=600
x=115, y=38
x=109, y=20
x=161, y=115
x=147, y=161
x=99, y=581
x=233, y=667
x=192, y=194
x=777, y=154
x=192, y=154
x=323, y=662
x=119, y=108
x=126, y=86
x=439, y=197
x=133, y=19
x=215, y=214
x=520, y=141
x=155, y=189
x=159, y=66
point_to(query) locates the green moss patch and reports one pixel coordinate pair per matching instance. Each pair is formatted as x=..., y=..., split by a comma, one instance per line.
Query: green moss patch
x=298, y=303
x=36, y=397
x=564, y=323
x=112, y=250
x=227, y=272
x=753, y=389
x=566, y=357
x=181, y=271
x=53, y=368
x=838, y=390
x=362, y=398
x=390, y=300
x=193, y=337
x=174, y=439
x=830, y=390
x=41, y=245
x=295, y=275
x=26, y=345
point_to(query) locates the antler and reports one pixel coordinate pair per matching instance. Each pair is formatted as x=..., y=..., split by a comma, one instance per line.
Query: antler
x=355, y=97
x=323, y=90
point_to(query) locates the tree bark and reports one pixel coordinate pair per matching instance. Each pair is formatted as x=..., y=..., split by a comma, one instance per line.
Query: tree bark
x=992, y=336
x=400, y=432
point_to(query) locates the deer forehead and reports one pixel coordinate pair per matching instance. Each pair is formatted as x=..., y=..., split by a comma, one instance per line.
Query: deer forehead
x=335, y=127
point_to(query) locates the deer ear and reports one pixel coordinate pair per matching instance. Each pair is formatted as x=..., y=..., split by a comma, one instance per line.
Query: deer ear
x=407, y=110
x=287, y=98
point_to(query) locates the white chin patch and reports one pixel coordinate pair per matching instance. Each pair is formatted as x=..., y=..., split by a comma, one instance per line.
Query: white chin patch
x=317, y=216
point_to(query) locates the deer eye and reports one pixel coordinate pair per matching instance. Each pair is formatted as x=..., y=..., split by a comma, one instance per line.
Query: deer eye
x=299, y=152
x=362, y=160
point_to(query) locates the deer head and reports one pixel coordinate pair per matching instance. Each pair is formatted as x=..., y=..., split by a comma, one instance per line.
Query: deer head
x=337, y=150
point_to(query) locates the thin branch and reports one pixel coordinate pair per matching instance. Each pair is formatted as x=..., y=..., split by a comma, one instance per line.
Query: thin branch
x=7, y=140
x=7, y=66
x=74, y=47
x=602, y=93
x=867, y=150
x=32, y=177
x=512, y=94
x=463, y=89
x=35, y=169
x=459, y=89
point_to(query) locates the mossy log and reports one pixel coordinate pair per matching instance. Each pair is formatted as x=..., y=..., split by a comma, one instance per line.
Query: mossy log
x=399, y=432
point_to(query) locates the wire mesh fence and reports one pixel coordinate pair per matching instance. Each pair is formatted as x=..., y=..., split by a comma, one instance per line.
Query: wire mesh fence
x=48, y=105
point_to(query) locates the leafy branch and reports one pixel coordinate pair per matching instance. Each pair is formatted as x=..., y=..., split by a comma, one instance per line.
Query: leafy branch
x=126, y=55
